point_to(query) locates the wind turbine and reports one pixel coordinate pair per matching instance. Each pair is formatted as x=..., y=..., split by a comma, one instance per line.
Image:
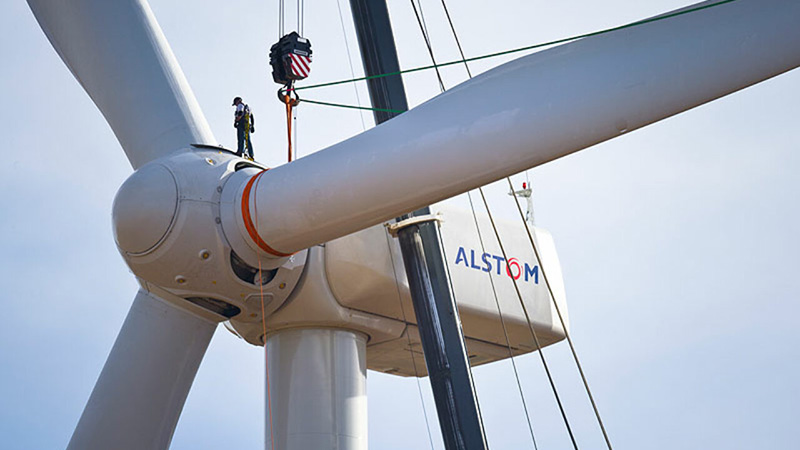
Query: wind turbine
x=560, y=106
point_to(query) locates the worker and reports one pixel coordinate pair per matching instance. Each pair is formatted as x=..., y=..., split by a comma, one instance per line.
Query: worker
x=245, y=124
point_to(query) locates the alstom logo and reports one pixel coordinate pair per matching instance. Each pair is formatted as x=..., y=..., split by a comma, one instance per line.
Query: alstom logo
x=487, y=262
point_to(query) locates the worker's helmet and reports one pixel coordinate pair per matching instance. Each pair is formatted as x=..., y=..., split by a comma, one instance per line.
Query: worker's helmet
x=235, y=99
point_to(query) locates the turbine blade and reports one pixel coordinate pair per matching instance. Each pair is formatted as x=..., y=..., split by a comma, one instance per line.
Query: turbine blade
x=525, y=113
x=117, y=52
x=141, y=391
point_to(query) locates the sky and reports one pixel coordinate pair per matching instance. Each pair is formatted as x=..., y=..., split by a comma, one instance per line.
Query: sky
x=678, y=242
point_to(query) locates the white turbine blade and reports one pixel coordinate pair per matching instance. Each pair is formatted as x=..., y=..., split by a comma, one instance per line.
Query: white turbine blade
x=141, y=391
x=119, y=55
x=523, y=114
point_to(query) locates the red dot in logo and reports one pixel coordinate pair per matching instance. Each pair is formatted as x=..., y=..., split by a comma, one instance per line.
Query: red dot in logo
x=513, y=262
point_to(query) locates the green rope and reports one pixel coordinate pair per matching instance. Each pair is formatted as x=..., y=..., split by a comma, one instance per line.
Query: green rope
x=342, y=105
x=506, y=52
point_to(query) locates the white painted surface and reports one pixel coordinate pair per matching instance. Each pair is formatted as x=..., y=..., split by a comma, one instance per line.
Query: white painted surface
x=144, y=209
x=526, y=113
x=120, y=56
x=312, y=305
x=317, y=380
x=140, y=393
x=365, y=272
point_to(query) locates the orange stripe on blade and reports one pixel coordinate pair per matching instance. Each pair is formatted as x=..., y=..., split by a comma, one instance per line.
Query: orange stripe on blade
x=248, y=220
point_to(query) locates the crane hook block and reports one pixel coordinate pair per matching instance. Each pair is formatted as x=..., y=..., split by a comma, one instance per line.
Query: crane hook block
x=290, y=58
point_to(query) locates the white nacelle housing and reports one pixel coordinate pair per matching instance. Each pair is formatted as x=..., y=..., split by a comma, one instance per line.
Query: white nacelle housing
x=366, y=273
x=359, y=282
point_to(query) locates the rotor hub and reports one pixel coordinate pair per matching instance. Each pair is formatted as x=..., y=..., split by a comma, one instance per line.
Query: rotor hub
x=144, y=209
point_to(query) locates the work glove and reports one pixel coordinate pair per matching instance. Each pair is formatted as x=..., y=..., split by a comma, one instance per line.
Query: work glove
x=252, y=129
x=235, y=124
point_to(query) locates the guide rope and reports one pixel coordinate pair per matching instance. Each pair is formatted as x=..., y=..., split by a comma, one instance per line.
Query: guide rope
x=530, y=325
x=341, y=105
x=536, y=253
x=264, y=321
x=563, y=325
x=455, y=36
x=507, y=52
x=505, y=328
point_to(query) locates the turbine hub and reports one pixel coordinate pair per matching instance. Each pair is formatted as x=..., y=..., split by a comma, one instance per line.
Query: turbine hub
x=172, y=224
x=144, y=209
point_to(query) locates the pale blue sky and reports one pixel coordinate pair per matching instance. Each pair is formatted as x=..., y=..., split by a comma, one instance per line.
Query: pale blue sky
x=678, y=242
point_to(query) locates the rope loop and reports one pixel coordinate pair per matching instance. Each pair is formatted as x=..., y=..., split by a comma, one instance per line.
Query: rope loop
x=288, y=95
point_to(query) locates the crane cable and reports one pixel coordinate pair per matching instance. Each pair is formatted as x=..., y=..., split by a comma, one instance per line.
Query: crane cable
x=530, y=324
x=505, y=328
x=536, y=253
x=563, y=325
x=291, y=103
x=350, y=63
x=541, y=263
x=423, y=28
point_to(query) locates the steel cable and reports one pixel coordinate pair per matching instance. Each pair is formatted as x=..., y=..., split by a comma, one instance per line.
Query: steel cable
x=424, y=30
x=530, y=325
x=561, y=319
x=505, y=329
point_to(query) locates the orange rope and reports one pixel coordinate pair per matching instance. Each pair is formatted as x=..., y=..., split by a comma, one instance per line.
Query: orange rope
x=264, y=328
x=289, y=123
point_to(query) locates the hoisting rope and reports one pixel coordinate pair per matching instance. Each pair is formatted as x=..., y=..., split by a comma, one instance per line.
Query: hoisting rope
x=502, y=53
x=290, y=59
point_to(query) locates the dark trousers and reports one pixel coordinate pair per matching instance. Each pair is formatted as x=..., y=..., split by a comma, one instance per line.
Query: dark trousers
x=243, y=139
